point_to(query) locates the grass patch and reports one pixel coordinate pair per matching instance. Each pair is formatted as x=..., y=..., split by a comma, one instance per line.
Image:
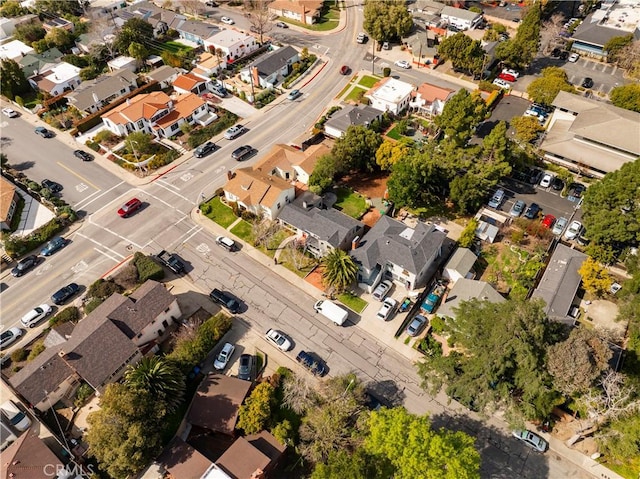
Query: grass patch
x=352, y=302
x=31, y=100
x=354, y=94
x=305, y=263
x=351, y=203
x=408, y=340
x=260, y=362
x=344, y=90
x=368, y=81
x=17, y=214
x=173, y=47
x=218, y=212
x=329, y=19
x=394, y=133
x=274, y=242
x=244, y=231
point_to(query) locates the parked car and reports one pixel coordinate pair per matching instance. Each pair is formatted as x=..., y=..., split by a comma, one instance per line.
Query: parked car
x=129, y=208
x=234, y=131
x=531, y=439
x=559, y=227
x=382, y=290
x=227, y=20
x=204, y=150
x=16, y=417
x=417, y=325
x=574, y=57
x=281, y=25
x=496, y=199
x=224, y=356
x=386, y=46
x=362, y=38
x=507, y=77
x=225, y=299
x=10, y=112
x=574, y=229
x=243, y=152
x=575, y=192
x=218, y=89
x=548, y=221
x=24, y=265
x=433, y=298
x=293, y=94
x=564, y=55
x=387, y=309
x=226, y=243
x=54, y=245
x=245, y=367
x=32, y=318
x=279, y=339
x=344, y=69
x=532, y=211
x=83, y=155
x=517, y=208
x=43, y=132
x=534, y=176
x=557, y=184
x=509, y=71
x=312, y=363
x=52, y=186
x=9, y=337
x=501, y=83
x=63, y=294
x=403, y=64
x=555, y=53
x=587, y=83
x=546, y=180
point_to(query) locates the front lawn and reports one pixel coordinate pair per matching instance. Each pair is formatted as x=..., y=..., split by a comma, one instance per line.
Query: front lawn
x=172, y=47
x=297, y=262
x=368, y=81
x=243, y=230
x=351, y=203
x=352, y=302
x=218, y=212
x=394, y=133
x=329, y=19
x=355, y=95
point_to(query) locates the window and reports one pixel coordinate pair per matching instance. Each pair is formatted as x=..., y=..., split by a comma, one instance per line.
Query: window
x=174, y=127
x=167, y=310
x=278, y=206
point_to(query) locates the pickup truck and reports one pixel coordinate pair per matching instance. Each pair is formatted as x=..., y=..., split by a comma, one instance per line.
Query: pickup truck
x=433, y=298
x=171, y=261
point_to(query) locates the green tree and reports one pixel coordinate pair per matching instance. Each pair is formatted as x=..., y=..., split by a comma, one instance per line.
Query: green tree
x=140, y=143
x=134, y=30
x=526, y=128
x=12, y=79
x=60, y=38
x=256, y=412
x=12, y=8
x=159, y=377
x=621, y=439
x=545, y=89
x=138, y=51
x=626, y=96
x=521, y=51
x=612, y=210
x=417, y=180
x=340, y=270
x=463, y=52
x=29, y=32
x=390, y=152
x=615, y=45
x=495, y=146
x=418, y=452
x=462, y=113
x=323, y=174
x=359, y=465
x=468, y=192
x=58, y=7
x=386, y=19
x=468, y=235
x=356, y=150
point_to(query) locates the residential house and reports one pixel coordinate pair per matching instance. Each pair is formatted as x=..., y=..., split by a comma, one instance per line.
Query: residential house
x=350, y=115
x=103, y=8
x=232, y=43
x=259, y=192
x=34, y=63
x=165, y=76
x=270, y=69
x=158, y=114
x=289, y=163
x=123, y=62
x=305, y=166
x=390, y=95
x=304, y=11
x=8, y=203
x=93, y=95
x=590, y=136
x=114, y=335
x=422, y=41
x=560, y=283
x=14, y=50
x=208, y=65
x=56, y=78
x=8, y=25
x=392, y=249
x=181, y=460
x=320, y=229
x=460, y=265
x=190, y=83
x=252, y=457
x=196, y=32
x=460, y=18
x=57, y=22
x=160, y=19
x=466, y=289
x=429, y=100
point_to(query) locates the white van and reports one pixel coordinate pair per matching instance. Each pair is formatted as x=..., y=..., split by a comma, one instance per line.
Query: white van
x=6, y=436
x=331, y=311
x=16, y=417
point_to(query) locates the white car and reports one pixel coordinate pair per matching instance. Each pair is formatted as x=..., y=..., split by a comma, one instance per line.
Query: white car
x=559, y=226
x=574, y=57
x=9, y=112
x=227, y=20
x=509, y=71
x=387, y=309
x=382, y=290
x=279, y=339
x=574, y=229
x=9, y=336
x=546, y=180
x=234, y=131
x=403, y=64
x=30, y=319
x=531, y=439
x=224, y=356
x=502, y=84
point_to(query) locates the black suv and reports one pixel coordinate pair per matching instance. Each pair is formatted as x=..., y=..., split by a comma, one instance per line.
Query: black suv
x=83, y=155
x=311, y=363
x=242, y=153
x=52, y=186
x=63, y=294
x=204, y=150
x=25, y=265
x=225, y=300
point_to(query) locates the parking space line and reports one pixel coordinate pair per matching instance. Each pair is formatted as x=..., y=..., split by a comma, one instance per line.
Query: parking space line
x=614, y=69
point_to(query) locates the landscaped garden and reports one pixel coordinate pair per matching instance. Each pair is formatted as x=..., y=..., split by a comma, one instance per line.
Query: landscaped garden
x=329, y=18
x=218, y=212
x=368, y=81
x=356, y=94
x=351, y=203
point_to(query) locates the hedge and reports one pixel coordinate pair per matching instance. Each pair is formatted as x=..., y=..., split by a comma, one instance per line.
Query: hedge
x=226, y=120
x=147, y=268
x=18, y=246
x=68, y=314
x=493, y=98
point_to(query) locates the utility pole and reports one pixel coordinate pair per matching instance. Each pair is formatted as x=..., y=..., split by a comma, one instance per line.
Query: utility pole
x=373, y=56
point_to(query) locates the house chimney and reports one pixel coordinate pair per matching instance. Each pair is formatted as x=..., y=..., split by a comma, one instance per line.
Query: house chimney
x=128, y=101
x=62, y=354
x=355, y=242
x=257, y=474
x=229, y=175
x=305, y=205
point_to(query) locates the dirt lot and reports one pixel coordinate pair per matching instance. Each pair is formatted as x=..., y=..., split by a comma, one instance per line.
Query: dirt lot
x=371, y=186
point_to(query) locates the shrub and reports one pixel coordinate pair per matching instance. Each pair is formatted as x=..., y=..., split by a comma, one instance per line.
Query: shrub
x=19, y=100
x=19, y=355
x=468, y=235
x=430, y=346
x=386, y=71
x=93, y=304
x=102, y=289
x=486, y=85
x=93, y=145
x=248, y=216
x=68, y=314
x=493, y=98
x=517, y=236
x=104, y=135
x=83, y=393
x=147, y=268
x=32, y=185
x=437, y=324
x=190, y=352
x=198, y=137
x=35, y=350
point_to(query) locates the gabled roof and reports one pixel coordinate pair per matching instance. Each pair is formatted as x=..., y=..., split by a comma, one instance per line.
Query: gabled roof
x=183, y=461
x=465, y=290
x=431, y=93
x=162, y=73
x=462, y=261
x=199, y=29
x=560, y=283
x=312, y=7
x=254, y=187
x=274, y=61
x=284, y=157
x=187, y=81
x=7, y=193
x=312, y=155
x=250, y=454
x=594, y=34
x=352, y=115
x=392, y=241
x=103, y=87
x=183, y=106
x=459, y=13
x=28, y=457
x=34, y=62
x=140, y=106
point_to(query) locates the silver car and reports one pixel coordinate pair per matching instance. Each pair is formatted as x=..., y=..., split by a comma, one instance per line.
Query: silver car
x=574, y=229
x=224, y=356
x=531, y=439
x=559, y=227
x=517, y=208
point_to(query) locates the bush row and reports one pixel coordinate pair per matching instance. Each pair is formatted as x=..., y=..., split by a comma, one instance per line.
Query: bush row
x=18, y=246
x=198, y=137
x=147, y=268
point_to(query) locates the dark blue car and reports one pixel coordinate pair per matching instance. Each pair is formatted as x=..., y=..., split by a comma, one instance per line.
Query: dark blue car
x=52, y=246
x=311, y=363
x=532, y=211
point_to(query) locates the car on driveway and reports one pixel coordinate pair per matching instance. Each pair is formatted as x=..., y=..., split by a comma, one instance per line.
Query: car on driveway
x=548, y=221
x=54, y=245
x=517, y=208
x=32, y=318
x=312, y=363
x=243, y=152
x=496, y=199
x=417, y=325
x=129, y=208
x=574, y=229
x=433, y=298
x=234, y=131
x=63, y=294
x=43, y=132
x=245, y=367
x=382, y=290
x=509, y=71
x=224, y=356
x=204, y=150
x=403, y=64
x=344, y=69
x=387, y=309
x=546, y=180
x=227, y=20
x=10, y=112
x=531, y=439
x=532, y=211
x=560, y=225
x=83, y=155
x=9, y=337
x=293, y=94
x=52, y=186
x=587, y=83
x=279, y=339
x=24, y=265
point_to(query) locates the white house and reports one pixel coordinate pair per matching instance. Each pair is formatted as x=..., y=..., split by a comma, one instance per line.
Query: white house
x=190, y=83
x=460, y=18
x=14, y=50
x=208, y=65
x=460, y=265
x=56, y=78
x=305, y=11
x=92, y=95
x=429, y=100
x=234, y=44
x=270, y=69
x=123, y=63
x=390, y=95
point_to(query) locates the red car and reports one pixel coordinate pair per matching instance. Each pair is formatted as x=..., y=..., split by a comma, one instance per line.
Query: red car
x=344, y=69
x=548, y=221
x=507, y=77
x=130, y=207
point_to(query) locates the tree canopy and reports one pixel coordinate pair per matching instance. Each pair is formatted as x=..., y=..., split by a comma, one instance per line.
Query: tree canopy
x=12, y=80
x=340, y=270
x=134, y=30
x=386, y=19
x=463, y=52
x=356, y=150
x=521, y=51
x=462, y=113
x=626, y=96
x=545, y=89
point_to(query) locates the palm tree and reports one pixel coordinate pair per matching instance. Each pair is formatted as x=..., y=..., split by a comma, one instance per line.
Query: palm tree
x=161, y=378
x=340, y=270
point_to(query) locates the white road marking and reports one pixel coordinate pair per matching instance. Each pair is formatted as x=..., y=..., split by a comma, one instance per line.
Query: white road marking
x=115, y=253
x=81, y=266
x=197, y=230
x=81, y=187
x=77, y=205
x=43, y=269
x=203, y=248
x=115, y=260
x=187, y=176
x=169, y=204
x=167, y=184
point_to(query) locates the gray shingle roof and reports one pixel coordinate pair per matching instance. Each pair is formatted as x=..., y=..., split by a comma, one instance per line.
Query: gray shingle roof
x=353, y=115
x=392, y=241
x=560, y=282
x=594, y=34
x=102, y=87
x=162, y=73
x=462, y=261
x=199, y=29
x=465, y=290
x=459, y=13
x=274, y=61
